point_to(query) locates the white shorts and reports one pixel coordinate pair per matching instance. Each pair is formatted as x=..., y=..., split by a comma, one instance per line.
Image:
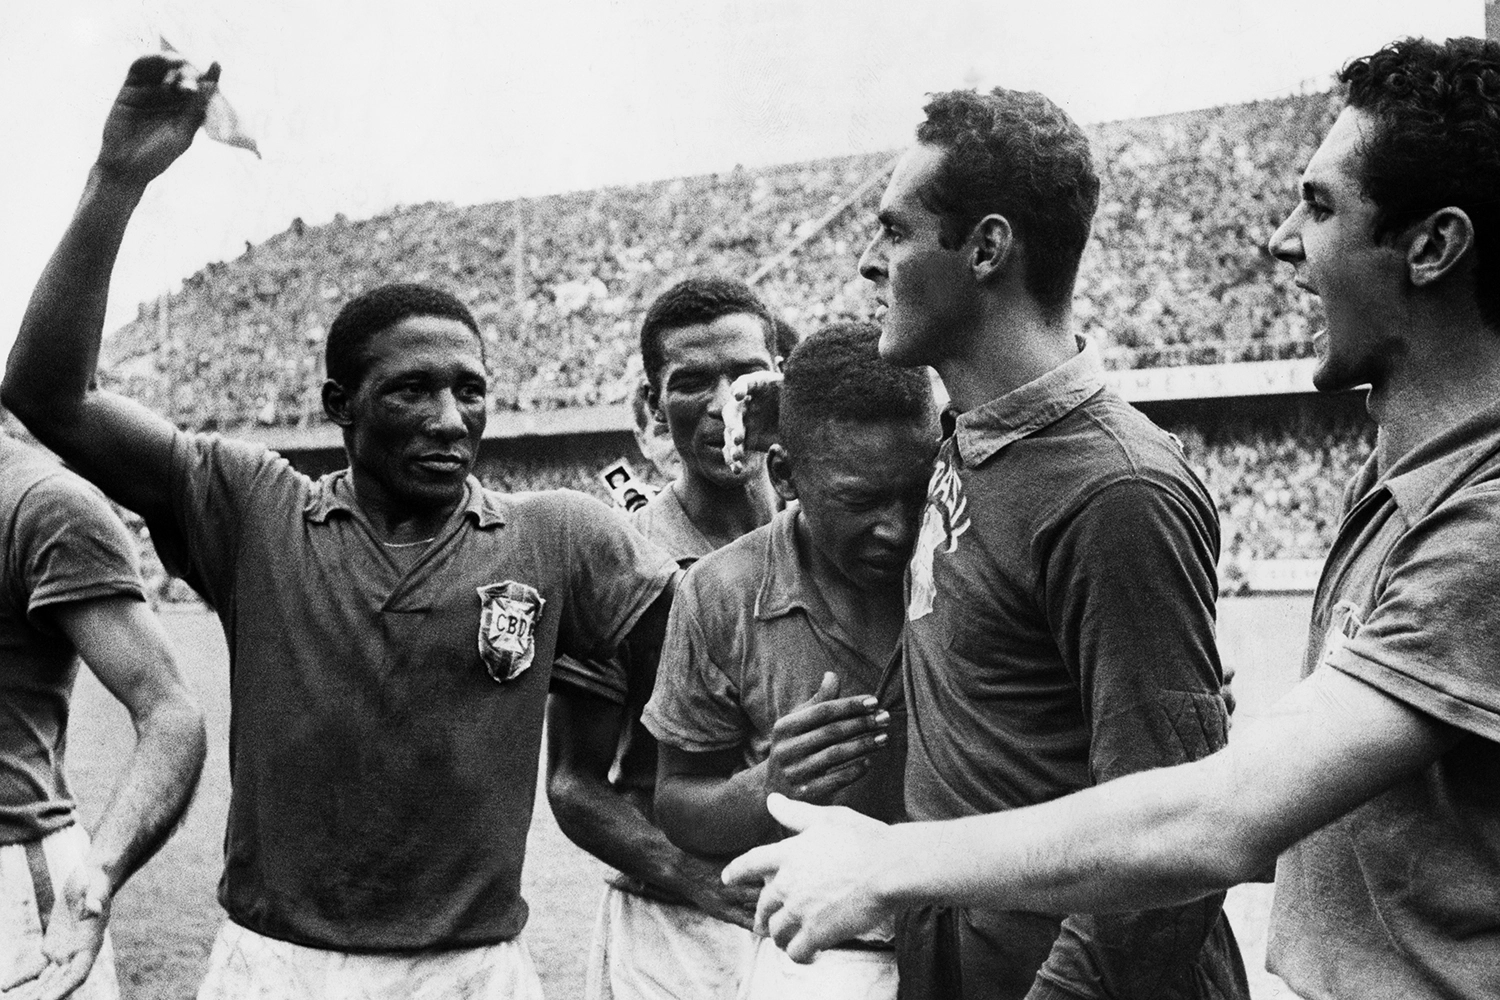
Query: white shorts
x=836, y=974
x=21, y=920
x=645, y=950
x=250, y=966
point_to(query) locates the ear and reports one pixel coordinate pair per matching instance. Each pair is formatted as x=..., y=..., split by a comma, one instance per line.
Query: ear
x=1437, y=245
x=336, y=403
x=991, y=246
x=779, y=466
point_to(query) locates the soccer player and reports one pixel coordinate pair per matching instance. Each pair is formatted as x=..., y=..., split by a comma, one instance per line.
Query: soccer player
x=668, y=926
x=391, y=626
x=1374, y=780
x=71, y=589
x=780, y=642
x=1060, y=606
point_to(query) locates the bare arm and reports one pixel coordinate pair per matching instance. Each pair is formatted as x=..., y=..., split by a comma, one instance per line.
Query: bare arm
x=583, y=731
x=1150, y=839
x=122, y=641
x=49, y=380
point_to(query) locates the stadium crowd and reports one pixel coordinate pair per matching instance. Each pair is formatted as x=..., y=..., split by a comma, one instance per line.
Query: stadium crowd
x=1175, y=273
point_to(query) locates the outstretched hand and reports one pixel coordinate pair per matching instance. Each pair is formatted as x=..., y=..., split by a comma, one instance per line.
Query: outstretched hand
x=823, y=745
x=819, y=887
x=751, y=416
x=154, y=117
x=75, y=933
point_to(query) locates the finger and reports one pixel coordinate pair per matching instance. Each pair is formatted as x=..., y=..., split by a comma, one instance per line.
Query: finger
x=67, y=979
x=152, y=70
x=757, y=865
x=795, y=816
x=783, y=927
x=811, y=715
x=802, y=948
x=766, y=908
x=805, y=756
x=823, y=788
x=828, y=689
x=212, y=76
x=24, y=974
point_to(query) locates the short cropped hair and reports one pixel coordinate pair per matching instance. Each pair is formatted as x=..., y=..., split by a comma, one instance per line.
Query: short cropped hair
x=379, y=309
x=1014, y=153
x=787, y=337
x=1436, y=142
x=695, y=301
x=837, y=374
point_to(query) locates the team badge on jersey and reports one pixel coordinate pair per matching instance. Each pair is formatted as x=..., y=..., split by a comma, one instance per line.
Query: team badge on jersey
x=508, y=616
x=944, y=520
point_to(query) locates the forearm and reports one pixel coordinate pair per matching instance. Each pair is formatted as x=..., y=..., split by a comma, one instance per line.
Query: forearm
x=156, y=788
x=1155, y=839
x=715, y=816
x=608, y=825
x=52, y=363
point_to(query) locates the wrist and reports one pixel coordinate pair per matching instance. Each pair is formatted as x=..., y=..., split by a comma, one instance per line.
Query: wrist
x=107, y=181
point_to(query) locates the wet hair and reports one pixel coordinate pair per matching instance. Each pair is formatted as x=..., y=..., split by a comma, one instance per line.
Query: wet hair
x=837, y=375
x=1436, y=142
x=379, y=309
x=695, y=301
x=1014, y=153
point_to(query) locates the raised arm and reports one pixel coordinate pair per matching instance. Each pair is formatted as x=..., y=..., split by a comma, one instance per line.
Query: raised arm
x=122, y=641
x=49, y=380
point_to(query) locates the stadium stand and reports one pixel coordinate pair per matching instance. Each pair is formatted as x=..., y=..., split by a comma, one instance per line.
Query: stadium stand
x=1176, y=274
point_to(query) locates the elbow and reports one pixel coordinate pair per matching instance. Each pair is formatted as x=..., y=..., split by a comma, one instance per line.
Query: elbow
x=177, y=727
x=569, y=794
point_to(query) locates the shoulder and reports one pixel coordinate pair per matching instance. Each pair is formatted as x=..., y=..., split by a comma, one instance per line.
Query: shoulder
x=722, y=587
x=1107, y=442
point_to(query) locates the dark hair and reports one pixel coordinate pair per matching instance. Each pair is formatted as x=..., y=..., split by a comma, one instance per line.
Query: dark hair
x=1014, y=153
x=1436, y=142
x=787, y=337
x=837, y=374
x=693, y=301
x=378, y=309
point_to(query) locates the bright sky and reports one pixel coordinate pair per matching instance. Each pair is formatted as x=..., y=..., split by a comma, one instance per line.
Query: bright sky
x=359, y=105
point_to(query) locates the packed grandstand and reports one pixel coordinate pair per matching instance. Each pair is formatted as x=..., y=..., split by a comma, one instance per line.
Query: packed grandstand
x=1176, y=274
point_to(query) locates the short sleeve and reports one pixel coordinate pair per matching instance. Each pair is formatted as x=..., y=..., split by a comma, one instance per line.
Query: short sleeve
x=606, y=678
x=214, y=481
x=1131, y=591
x=72, y=547
x=1430, y=638
x=695, y=705
x=615, y=575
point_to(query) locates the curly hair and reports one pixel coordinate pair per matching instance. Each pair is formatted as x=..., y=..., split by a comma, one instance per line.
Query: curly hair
x=378, y=309
x=837, y=374
x=1014, y=153
x=694, y=301
x=1436, y=142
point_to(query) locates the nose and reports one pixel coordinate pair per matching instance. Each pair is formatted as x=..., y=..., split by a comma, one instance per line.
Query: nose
x=871, y=267
x=446, y=422
x=896, y=526
x=1286, y=243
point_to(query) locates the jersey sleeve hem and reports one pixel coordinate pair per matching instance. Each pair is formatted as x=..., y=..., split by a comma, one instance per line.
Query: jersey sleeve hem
x=1420, y=695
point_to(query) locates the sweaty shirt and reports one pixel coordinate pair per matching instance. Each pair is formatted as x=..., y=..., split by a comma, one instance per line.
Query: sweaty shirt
x=1060, y=633
x=1400, y=898
x=387, y=714
x=62, y=544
